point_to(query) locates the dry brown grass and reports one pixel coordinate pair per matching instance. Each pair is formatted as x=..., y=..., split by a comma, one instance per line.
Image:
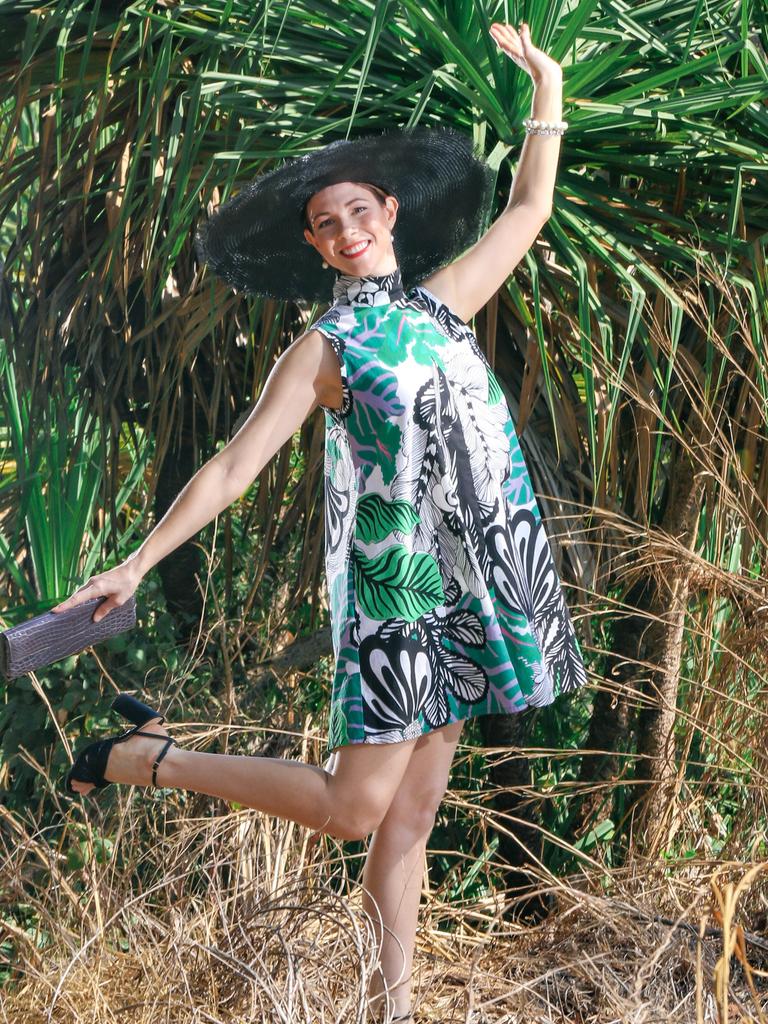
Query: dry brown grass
x=223, y=919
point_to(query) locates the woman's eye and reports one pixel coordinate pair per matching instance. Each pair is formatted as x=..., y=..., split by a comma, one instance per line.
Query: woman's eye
x=324, y=222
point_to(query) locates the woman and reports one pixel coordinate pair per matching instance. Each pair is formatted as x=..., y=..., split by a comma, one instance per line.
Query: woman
x=444, y=600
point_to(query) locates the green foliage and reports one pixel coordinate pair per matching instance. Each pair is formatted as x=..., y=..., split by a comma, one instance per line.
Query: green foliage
x=49, y=465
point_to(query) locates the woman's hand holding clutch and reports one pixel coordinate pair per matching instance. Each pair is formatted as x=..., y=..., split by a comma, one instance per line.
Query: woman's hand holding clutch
x=116, y=585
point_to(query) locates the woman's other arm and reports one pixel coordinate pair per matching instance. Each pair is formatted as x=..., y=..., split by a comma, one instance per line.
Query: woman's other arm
x=306, y=375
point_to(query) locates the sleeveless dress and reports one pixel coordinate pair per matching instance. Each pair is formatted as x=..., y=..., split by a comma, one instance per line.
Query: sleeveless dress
x=443, y=596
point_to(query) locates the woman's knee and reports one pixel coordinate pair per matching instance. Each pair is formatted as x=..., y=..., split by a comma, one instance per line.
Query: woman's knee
x=413, y=813
x=416, y=822
x=363, y=780
x=413, y=822
x=356, y=812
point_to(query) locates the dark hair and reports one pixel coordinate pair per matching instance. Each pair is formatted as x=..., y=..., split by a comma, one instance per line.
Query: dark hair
x=378, y=191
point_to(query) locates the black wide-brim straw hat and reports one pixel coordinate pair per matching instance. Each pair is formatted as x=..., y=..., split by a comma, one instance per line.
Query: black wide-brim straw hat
x=255, y=241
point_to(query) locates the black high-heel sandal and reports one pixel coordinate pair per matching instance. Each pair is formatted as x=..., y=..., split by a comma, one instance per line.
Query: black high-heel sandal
x=91, y=764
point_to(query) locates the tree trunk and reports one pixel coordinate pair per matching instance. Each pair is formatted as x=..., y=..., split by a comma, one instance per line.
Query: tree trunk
x=656, y=766
x=511, y=776
x=180, y=567
x=608, y=732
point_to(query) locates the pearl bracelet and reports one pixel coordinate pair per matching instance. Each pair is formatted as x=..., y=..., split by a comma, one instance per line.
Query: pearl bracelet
x=535, y=127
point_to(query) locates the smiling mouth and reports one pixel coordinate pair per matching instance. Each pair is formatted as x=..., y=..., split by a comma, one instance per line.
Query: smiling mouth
x=356, y=250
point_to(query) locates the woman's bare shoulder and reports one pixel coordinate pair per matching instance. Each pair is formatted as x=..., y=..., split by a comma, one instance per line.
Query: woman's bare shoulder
x=319, y=353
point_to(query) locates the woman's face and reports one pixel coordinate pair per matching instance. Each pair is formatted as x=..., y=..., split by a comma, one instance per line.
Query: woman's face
x=351, y=228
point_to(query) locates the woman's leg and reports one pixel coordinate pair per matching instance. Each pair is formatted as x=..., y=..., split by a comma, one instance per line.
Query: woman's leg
x=348, y=804
x=394, y=866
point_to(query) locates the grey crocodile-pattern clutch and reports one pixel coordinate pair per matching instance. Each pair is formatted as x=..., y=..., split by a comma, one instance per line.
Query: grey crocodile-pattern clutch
x=55, y=635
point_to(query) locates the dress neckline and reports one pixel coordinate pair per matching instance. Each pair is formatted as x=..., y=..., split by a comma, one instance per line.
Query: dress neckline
x=368, y=289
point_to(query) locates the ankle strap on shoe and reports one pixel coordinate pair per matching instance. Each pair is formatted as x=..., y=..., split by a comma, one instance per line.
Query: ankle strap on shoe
x=166, y=747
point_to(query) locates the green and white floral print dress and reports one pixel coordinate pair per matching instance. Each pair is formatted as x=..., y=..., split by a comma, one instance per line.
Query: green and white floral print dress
x=444, y=599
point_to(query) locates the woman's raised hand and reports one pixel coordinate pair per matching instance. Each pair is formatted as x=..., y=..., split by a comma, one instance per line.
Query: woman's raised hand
x=116, y=585
x=519, y=47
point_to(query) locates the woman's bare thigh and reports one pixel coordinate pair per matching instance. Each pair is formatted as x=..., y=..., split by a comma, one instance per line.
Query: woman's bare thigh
x=425, y=779
x=373, y=774
x=366, y=776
